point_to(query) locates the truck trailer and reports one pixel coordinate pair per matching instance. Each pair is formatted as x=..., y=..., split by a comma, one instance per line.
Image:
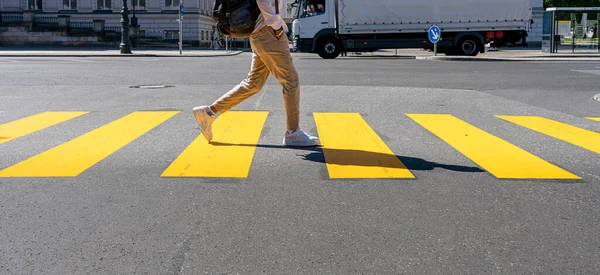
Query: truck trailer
x=331, y=27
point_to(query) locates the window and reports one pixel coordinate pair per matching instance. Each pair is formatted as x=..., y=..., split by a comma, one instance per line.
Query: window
x=171, y=34
x=139, y=4
x=34, y=4
x=173, y=4
x=69, y=4
x=104, y=4
x=312, y=8
x=202, y=35
x=290, y=10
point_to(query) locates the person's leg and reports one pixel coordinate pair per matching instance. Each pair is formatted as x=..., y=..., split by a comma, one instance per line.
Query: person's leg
x=248, y=87
x=205, y=115
x=276, y=56
x=275, y=53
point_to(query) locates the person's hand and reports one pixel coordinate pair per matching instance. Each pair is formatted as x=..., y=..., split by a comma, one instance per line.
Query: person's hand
x=279, y=33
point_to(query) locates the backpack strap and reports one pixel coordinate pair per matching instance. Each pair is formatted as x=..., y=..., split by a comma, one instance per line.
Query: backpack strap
x=216, y=8
x=276, y=6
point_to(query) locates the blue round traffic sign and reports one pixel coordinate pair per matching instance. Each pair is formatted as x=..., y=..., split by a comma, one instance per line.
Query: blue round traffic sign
x=434, y=34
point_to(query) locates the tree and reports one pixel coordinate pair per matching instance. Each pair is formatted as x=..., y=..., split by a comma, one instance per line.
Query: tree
x=571, y=3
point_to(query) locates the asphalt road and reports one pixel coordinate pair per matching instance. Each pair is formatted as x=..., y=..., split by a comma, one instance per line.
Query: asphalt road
x=472, y=206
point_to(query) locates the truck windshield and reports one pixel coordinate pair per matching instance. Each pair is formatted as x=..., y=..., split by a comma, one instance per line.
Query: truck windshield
x=308, y=8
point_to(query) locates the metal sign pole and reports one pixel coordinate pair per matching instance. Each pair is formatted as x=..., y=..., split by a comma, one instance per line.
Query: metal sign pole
x=180, y=28
x=435, y=35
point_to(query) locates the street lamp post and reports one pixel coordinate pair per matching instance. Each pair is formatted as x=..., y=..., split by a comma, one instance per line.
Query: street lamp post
x=133, y=18
x=125, y=44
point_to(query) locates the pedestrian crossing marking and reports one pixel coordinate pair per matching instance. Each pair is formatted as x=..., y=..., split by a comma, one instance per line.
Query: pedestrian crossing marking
x=594, y=118
x=228, y=155
x=501, y=158
x=353, y=150
x=34, y=123
x=72, y=158
x=565, y=132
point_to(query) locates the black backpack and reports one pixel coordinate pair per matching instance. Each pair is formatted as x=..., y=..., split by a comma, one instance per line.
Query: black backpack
x=237, y=18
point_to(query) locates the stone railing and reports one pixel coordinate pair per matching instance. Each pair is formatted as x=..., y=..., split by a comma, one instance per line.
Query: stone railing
x=113, y=28
x=46, y=20
x=86, y=25
x=7, y=17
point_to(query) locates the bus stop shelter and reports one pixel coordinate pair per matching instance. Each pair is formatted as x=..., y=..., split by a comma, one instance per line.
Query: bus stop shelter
x=571, y=30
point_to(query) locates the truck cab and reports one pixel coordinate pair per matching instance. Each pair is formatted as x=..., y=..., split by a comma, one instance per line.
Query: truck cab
x=315, y=20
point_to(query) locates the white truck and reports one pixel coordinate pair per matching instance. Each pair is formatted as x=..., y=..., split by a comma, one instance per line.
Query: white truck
x=331, y=27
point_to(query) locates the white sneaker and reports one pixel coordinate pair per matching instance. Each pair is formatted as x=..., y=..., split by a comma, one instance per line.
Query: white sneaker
x=205, y=120
x=299, y=138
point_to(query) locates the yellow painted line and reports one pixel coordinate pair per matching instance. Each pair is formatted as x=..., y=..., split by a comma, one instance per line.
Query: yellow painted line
x=230, y=153
x=499, y=157
x=594, y=118
x=34, y=123
x=72, y=158
x=353, y=150
x=565, y=132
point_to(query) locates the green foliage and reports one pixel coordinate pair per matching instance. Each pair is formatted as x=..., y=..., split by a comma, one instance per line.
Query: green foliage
x=571, y=3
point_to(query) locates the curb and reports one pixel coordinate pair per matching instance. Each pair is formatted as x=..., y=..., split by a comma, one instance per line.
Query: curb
x=507, y=59
x=117, y=55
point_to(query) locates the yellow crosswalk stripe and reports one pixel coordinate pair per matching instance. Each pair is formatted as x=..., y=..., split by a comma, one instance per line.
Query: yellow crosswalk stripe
x=34, y=123
x=72, y=158
x=571, y=134
x=501, y=158
x=353, y=150
x=594, y=118
x=230, y=153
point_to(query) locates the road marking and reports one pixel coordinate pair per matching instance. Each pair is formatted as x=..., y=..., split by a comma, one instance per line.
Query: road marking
x=502, y=159
x=594, y=118
x=353, y=150
x=34, y=123
x=72, y=158
x=83, y=60
x=594, y=72
x=565, y=132
x=229, y=155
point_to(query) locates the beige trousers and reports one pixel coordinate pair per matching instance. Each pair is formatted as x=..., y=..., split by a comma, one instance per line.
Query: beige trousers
x=270, y=55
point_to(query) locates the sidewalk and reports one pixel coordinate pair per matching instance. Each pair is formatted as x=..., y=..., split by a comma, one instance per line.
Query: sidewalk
x=110, y=52
x=503, y=54
x=517, y=54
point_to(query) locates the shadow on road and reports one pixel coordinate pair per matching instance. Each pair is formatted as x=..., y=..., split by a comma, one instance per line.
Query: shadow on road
x=363, y=158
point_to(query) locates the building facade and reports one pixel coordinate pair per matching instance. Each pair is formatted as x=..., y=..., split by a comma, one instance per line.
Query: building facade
x=156, y=18
x=535, y=33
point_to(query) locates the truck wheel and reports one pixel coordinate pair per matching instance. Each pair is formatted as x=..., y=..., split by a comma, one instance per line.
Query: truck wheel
x=469, y=45
x=329, y=48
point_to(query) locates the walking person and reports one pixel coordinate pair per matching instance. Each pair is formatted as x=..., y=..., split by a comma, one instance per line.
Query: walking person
x=270, y=55
x=214, y=39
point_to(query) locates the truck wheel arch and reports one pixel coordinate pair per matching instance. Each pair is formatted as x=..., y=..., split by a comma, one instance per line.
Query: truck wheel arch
x=478, y=35
x=320, y=35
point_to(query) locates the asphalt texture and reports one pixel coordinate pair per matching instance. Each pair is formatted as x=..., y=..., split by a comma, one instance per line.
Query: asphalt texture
x=288, y=216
